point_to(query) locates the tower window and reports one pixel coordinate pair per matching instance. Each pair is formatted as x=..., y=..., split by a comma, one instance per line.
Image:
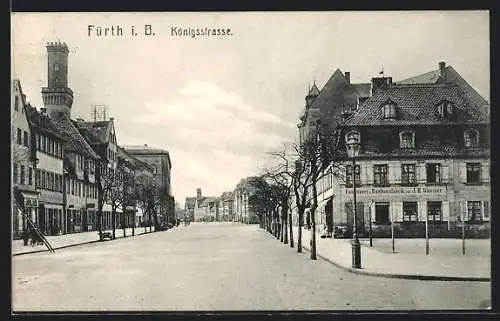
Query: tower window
x=56, y=67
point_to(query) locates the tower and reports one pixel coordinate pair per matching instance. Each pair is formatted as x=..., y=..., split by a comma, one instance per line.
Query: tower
x=57, y=97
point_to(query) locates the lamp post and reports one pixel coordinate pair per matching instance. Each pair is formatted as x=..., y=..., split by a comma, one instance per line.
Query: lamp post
x=353, y=146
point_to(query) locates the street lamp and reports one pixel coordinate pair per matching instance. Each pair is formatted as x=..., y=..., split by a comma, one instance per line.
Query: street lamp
x=353, y=146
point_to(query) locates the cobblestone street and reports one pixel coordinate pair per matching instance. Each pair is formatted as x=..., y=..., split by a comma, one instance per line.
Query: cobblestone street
x=215, y=266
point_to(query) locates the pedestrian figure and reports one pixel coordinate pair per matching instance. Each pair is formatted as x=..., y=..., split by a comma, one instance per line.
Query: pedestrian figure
x=26, y=237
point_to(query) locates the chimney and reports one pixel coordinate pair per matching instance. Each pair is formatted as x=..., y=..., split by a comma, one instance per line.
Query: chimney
x=198, y=192
x=80, y=120
x=43, y=111
x=380, y=82
x=347, y=76
x=442, y=70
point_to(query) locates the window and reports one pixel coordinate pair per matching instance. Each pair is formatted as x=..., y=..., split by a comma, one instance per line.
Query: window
x=37, y=178
x=445, y=109
x=19, y=136
x=22, y=175
x=434, y=213
x=15, y=174
x=37, y=141
x=433, y=172
x=407, y=139
x=357, y=177
x=410, y=212
x=53, y=147
x=473, y=173
x=408, y=174
x=474, y=211
x=380, y=174
x=30, y=176
x=26, y=139
x=16, y=103
x=389, y=110
x=44, y=144
x=471, y=138
x=56, y=67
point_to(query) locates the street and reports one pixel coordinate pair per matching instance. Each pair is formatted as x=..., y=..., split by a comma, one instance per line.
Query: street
x=215, y=266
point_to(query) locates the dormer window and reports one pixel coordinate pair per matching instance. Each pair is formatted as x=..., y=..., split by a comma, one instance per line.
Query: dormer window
x=444, y=109
x=389, y=110
x=471, y=138
x=407, y=139
x=353, y=135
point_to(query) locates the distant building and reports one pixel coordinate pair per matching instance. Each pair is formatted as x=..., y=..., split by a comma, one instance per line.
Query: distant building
x=206, y=208
x=159, y=159
x=24, y=194
x=226, y=204
x=242, y=211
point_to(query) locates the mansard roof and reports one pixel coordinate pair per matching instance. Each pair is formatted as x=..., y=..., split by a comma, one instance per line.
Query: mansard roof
x=417, y=106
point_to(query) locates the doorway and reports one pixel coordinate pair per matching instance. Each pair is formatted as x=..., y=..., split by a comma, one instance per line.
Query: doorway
x=382, y=213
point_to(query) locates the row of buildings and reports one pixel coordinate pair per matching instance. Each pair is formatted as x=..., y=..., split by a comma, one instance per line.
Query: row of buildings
x=231, y=206
x=58, y=161
x=424, y=153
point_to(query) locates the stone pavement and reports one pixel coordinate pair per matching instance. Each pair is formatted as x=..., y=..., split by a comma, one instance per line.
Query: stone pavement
x=66, y=240
x=409, y=264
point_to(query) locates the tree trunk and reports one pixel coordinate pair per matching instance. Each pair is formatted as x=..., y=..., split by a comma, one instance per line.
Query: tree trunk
x=314, y=206
x=113, y=219
x=284, y=214
x=124, y=224
x=299, y=236
x=290, y=221
x=133, y=224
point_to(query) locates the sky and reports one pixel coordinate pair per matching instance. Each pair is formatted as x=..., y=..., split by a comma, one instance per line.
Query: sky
x=219, y=104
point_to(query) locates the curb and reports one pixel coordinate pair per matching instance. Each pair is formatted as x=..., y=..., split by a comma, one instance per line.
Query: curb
x=400, y=276
x=75, y=244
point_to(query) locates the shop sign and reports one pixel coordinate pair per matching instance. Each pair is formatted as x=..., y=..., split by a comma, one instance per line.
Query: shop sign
x=398, y=190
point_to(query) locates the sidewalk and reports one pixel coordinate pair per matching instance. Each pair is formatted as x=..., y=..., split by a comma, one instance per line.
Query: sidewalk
x=409, y=264
x=67, y=240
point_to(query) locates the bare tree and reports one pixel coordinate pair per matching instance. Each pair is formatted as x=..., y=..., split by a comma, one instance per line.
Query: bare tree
x=116, y=193
x=281, y=176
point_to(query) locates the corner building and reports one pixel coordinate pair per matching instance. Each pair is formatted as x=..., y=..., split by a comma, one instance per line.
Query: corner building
x=424, y=159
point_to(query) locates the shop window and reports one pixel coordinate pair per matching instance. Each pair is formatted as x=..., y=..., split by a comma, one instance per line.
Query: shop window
x=407, y=139
x=473, y=173
x=357, y=176
x=410, y=213
x=37, y=178
x=30, y=176
x=433, y=172
x=474, y=211
x=37, y=141
x=382, y=214
x=22, y=175
x=19, y=136
x=434, y=211
x=408, y=174
x=380, y=175
x=471, y=138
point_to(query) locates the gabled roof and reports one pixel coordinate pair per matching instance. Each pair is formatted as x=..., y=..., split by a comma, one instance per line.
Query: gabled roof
x=417, y=106
x=207, y=200
x=314, y=91
x=42, y=122
x=74, y=140
x=452, y=77
x=337, y=94
x=100, y=129
x=147, y=150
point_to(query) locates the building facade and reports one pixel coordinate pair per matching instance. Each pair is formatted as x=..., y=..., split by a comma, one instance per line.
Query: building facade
x=423, y=163
x=242, y=212
x=80, y=160
x=49, y=172
x=24, y=194
x=160, y=161
x=226, y=202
